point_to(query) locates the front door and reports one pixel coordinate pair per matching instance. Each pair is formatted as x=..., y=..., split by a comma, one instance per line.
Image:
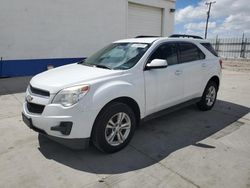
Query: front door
x=164, y=86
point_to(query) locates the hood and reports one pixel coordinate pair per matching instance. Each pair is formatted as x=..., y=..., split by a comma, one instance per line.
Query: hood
x=65, y=76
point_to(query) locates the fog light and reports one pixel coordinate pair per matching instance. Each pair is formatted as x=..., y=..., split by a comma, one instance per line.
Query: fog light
x=64, y=128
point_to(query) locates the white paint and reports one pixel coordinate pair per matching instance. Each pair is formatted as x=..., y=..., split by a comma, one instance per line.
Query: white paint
x=62, y=28
x=153, y=90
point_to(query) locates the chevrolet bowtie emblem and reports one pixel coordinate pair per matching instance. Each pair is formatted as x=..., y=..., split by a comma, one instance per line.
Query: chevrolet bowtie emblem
x=29, y=98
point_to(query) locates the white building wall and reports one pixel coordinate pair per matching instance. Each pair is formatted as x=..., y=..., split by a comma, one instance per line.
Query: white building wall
x=34, y=29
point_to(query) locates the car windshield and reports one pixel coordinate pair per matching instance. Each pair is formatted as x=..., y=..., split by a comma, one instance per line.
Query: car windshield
x=119, y=56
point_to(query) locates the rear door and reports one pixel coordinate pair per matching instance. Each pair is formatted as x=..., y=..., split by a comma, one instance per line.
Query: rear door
x=191, y=58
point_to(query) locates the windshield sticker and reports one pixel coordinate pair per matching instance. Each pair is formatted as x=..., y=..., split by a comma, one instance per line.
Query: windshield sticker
x=139, y=45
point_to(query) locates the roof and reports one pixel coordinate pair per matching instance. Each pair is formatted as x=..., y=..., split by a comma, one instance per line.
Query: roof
x=150, y=40
x=147, y=40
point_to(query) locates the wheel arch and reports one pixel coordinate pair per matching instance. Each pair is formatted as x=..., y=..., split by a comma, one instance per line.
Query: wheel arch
x=125, y=100
x=215, y=79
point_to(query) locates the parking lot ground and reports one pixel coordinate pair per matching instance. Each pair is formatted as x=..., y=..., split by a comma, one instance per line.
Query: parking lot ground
x=186, y=148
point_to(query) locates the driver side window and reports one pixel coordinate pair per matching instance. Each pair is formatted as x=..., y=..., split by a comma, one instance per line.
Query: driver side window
x=167, y=51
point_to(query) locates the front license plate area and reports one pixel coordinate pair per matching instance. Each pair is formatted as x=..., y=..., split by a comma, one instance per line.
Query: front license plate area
x=27, y=121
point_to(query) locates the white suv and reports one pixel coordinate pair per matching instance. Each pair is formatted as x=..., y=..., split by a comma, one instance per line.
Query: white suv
x=104, y=97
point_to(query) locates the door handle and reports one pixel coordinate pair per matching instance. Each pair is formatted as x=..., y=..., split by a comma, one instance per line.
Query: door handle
x=178, y=72
x=203, y=64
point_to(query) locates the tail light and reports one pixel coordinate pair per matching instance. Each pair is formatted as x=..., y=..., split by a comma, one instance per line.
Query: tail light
x=220, y=63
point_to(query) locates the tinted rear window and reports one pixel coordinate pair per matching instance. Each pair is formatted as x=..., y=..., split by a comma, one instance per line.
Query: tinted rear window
x=190, y=52
x=210, y=48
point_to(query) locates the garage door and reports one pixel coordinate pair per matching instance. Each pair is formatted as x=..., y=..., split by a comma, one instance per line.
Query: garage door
x=144, y=20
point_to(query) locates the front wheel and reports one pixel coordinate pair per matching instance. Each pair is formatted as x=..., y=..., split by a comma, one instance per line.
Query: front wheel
x=114, y=127
x=209, y=96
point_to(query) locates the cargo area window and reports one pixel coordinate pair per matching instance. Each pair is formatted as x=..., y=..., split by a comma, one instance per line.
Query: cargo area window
x=210, y=48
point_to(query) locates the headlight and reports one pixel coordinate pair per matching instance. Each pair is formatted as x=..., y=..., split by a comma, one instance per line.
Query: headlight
x=70, y=96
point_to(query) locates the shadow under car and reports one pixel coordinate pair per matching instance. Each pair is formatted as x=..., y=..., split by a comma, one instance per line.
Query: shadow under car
x=152, y=141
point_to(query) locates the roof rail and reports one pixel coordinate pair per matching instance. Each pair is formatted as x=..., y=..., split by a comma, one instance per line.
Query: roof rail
x=145, y=36
x=185, y=36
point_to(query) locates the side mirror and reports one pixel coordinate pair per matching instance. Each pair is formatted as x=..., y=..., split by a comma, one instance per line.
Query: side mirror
x=157, y=64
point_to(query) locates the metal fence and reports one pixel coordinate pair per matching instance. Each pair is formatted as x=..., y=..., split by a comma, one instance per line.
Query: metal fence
x=232, y=47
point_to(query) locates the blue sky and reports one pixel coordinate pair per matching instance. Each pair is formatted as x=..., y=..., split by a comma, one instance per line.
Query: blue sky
x=190, y=18
x=180, y=4
x=183, y=3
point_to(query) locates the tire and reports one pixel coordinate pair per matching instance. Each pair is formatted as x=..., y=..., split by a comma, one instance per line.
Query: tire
x=209, y=97
x=114, y=127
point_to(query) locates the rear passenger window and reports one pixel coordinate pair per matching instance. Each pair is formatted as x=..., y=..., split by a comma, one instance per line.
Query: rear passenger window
x=166, y=51
x=190, y=52
x=210, y=48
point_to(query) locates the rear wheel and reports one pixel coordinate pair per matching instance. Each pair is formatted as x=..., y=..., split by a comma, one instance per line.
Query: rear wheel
x=209, y=96
x=114, y=127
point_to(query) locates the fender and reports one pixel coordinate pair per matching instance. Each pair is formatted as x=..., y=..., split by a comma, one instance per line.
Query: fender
x=213, y=71
x=115, y=89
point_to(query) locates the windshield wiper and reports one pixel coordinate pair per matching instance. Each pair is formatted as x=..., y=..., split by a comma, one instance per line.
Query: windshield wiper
x=85, y=63
x=101, y=66
x=81, y=61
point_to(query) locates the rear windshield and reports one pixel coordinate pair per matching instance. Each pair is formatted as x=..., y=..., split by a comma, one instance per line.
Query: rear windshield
x=210, y=48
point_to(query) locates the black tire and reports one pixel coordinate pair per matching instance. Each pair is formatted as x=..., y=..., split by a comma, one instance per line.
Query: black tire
x=99, y=130
x=203, y=104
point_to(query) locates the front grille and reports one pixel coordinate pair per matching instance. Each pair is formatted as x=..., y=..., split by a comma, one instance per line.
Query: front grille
x=35, y=108
x=39, y=91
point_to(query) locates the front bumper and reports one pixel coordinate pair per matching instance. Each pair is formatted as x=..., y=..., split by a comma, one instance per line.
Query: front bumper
x=70, y=126
x=73, y=143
